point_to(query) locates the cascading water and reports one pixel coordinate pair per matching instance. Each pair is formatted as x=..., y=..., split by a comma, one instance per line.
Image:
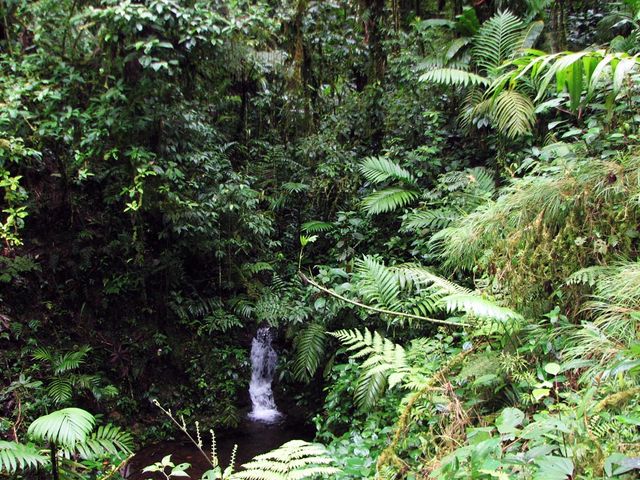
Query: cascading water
x=263, y=365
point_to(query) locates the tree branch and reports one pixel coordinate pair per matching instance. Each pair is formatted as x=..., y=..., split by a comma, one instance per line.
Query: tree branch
x=378, y=310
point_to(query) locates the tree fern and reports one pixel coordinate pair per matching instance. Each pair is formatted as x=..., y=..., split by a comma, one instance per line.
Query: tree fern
x=15, y=456
x=388, y=200
x=380, y=169
x=295, y=460
x=310, y=345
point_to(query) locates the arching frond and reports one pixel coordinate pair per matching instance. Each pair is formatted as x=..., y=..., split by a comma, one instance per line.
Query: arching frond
x=435, y=219
x=70, y=360
x=480, y=307
x=16, y=456
x=316, y=226
x=295, y=460
x=453, y=76
x=388, y=200
x=310, y=347
x=65, y=427
x=381, y=169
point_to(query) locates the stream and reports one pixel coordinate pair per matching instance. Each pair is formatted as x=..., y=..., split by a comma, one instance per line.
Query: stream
x=262, y=429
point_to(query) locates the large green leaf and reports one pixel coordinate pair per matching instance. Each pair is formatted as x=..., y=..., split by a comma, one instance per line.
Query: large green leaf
x=65, y=427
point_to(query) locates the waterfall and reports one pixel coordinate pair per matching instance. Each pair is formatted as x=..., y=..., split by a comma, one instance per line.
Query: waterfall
x=263, y=364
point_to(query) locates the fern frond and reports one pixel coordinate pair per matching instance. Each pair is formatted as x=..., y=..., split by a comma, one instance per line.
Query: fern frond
x=388, y=200
x=453, y=76
x=423, y=279
x=385, y=363
x=380, y=169
x=15, y=456
x=589, y=276
x=295, y=460
x=310, y=345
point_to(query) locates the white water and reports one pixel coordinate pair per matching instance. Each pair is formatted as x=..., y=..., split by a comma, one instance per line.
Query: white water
x=263, y=364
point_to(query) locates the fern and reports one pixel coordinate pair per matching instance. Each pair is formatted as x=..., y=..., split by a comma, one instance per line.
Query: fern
x=388, y=200
x=589, y=276
x=310, y=345
x=385, y=363
x=380, y=169
x=295, y=460
x=15, y=456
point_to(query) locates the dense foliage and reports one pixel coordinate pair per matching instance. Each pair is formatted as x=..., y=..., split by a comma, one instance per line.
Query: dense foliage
x=435, y=204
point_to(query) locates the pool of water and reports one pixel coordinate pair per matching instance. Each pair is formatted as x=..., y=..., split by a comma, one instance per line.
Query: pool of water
x=252, y=438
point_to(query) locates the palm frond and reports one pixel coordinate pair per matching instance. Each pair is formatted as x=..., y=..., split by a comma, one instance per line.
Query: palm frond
x=496, y=40
x=66, y=427
x=453, y=76
x=16, y=456
x=377, y=284
x=316, y=226
x=60, y=389
x=380, y=169
x=310, y=346
x=514, y=113
x=107, y=439
x=388, y=200
x=70, y=360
